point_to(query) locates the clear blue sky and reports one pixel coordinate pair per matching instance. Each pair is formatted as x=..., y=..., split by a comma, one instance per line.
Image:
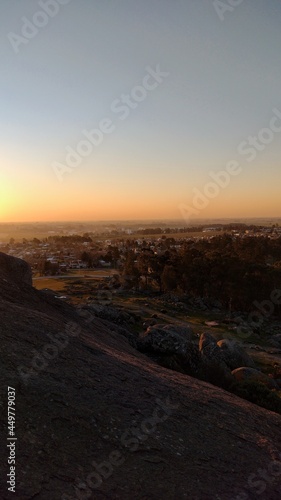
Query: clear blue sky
x=223, y=83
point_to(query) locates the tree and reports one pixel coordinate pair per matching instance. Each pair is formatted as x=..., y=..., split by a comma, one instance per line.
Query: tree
x=144, y=262
x=115, y=255
x=87, y=258
x=169, y=278
x=50, y=268
x=130, y=274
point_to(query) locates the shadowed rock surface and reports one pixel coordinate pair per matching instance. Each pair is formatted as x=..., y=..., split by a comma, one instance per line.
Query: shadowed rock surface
x=212, y=356
x=234, y=355
x=242, y=374
x=276, y=340
x=172, y=347
x=15, y=270
x=83, y=392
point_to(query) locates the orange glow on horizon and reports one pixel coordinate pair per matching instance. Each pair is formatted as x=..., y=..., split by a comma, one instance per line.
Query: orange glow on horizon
x=74, y=202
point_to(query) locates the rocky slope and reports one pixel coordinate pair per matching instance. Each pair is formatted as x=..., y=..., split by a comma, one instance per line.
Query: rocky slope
x=97, y=419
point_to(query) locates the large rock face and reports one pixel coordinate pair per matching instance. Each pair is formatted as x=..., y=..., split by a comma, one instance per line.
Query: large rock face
x=15, y=270
x=96, y=419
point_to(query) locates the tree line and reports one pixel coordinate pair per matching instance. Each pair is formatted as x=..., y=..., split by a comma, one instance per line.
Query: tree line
x=236, y=270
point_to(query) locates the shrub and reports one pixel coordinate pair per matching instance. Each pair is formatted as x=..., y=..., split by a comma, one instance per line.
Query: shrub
x=215, y=373
x=257, y=393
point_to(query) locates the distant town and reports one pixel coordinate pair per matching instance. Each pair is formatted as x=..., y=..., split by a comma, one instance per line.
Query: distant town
x=63, y=249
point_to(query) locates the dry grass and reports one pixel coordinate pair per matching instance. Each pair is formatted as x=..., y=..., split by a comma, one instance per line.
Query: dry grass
x=57, y=285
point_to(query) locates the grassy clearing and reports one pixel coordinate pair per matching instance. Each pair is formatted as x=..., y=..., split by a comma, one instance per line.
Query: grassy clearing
x=92, y=272
x=57, y=285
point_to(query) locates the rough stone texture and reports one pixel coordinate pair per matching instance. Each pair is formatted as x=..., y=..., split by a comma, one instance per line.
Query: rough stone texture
x=172, y=346
x=278, y=382
x=242, y=374
x=209, y=349
x=110, y=313
x=149, y=322
x=208, y=345
x=276, y=340
x=234, y=355
x=93, y=397
x=16, y=270
x=161, y=330
x=215, y=369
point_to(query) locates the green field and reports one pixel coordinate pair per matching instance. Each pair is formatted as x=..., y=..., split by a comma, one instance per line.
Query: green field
x=58, y=283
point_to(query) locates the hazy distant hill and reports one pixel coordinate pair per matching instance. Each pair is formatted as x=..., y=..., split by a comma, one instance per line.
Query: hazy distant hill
x=30, y=230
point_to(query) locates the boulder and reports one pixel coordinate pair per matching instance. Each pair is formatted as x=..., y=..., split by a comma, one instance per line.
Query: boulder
x=278, y=382
x=149, y=322
x=243, y=374
x=185, y=331
x=110, y=313
x=215, y=368
x=276, y=340
x=234, y=355
x=15, y=270
x=209, y=349
x=172, y=346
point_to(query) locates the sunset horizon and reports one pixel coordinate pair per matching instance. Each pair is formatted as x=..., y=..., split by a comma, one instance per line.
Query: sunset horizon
x=144, y=111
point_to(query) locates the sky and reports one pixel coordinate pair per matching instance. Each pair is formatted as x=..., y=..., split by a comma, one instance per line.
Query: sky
x=139, y=109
